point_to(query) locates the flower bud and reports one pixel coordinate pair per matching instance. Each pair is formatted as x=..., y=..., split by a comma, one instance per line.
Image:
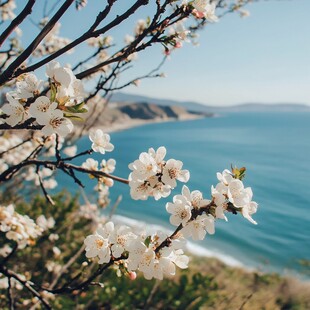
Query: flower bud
x=132, y=275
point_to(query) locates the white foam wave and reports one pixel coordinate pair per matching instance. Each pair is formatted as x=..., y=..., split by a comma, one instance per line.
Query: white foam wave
x=192, y=247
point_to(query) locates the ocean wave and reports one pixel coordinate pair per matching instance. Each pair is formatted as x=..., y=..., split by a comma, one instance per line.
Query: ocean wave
x=191, y=247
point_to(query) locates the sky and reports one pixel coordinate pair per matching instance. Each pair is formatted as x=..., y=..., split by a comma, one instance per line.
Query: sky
x=264, y=58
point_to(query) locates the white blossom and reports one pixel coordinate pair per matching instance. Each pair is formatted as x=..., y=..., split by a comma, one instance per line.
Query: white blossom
x=139, y=189
x=89, y=211
x=144, y=167
x=27, y=86
x=205, y=9
x=101, y=141
x=57, y=123
x=173, y=171
x=231, y=190
x=128, y=39
x=42, y=109
x=120, y=239
x=152, y=176
x=70, y=150
x=108, y=166
x=5, y=250
x=195, y=198
x=140, y=26
x=17, y=227
x=6, y=10
x=56, y=251
x=4, y=282
x=180, y=210
x=198, y=227
x=158, y=189
x=14, y=110
x=236, y=193
x=249, y=208
x=45, y=223
x=98, y=245
x=90, y=164
x=60, y=75
x=225, y=177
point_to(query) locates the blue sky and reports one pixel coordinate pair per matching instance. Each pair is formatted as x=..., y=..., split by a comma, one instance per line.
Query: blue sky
x=263, y=58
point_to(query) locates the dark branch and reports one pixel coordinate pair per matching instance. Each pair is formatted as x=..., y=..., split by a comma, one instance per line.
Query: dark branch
x=18, y=20
x=10, y=73
x=11, y=274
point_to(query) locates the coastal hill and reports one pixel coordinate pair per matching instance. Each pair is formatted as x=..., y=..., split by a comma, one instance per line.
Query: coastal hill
x=198, y=107
x=119, y=115
x=128, y=110
x=145, y=110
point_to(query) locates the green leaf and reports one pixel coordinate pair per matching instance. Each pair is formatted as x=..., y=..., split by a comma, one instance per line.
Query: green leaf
x=74, y=117
x=238, y=173
x=83, y=110
x=80, y=105
x=53, y=92
x=148, y=240
x=70, y=109
x=77, y=108
x=148, y=21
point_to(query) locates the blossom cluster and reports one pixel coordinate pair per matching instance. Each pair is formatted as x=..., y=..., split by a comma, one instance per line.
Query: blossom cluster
x=230, y=191
x=6, y=10
x=194, y=216
x=183, y=210
x=52, y=41
x=153, y=176
x=52, y=111
x=136, y=251
x=101, y=143
x=14, y=150
x=204, y=9
x=4, y=282
x=105, y=166
x=17, y=153
x=21, y=228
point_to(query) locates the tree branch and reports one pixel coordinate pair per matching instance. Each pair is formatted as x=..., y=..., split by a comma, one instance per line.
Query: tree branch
x=88, y=34
x=11, y=274
x=18, y=20
x=10, y=73
x=9, y=173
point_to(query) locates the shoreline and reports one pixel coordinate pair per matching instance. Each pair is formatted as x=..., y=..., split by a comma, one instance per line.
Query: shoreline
x=199, y=252
x=132, y=123
x=193, y=248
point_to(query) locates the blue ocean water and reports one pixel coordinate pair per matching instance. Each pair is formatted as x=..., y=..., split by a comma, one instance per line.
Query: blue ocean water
x=275, y=149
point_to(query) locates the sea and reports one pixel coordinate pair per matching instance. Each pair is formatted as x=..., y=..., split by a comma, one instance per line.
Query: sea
x=274, y=148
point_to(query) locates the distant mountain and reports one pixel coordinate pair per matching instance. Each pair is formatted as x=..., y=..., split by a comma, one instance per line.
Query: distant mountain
x=198, y=107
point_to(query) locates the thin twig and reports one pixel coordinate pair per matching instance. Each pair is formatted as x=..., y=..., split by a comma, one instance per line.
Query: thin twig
x=66, y=266
x=9, y=273
x=152, y=293
x=47, y=196
x=17, y=20
x=9, y=73
x=10, y=294
x=114, y=207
